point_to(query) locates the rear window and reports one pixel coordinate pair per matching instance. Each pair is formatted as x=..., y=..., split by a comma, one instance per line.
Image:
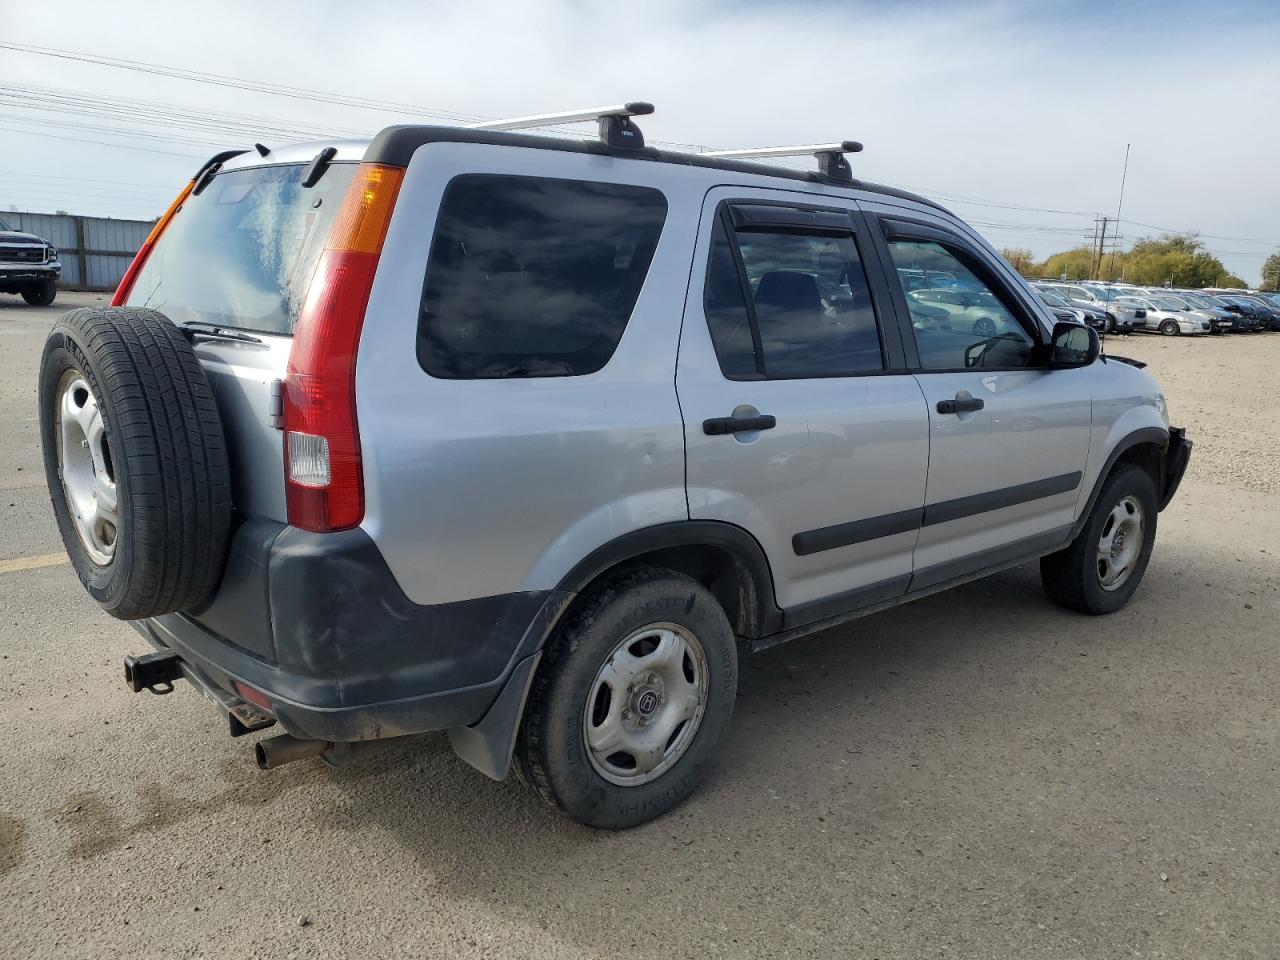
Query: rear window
x=242, y=253
x=534, y=277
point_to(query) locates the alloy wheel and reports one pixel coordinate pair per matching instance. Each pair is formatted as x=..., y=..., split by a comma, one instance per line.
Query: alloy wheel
x=86, y=468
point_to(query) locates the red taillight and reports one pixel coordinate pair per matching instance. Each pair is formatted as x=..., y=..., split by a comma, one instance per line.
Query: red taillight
x=144, y=251
x=324, y=489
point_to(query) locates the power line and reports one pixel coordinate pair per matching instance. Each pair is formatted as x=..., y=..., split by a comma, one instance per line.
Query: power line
x=104, y=143
x=1211, y=236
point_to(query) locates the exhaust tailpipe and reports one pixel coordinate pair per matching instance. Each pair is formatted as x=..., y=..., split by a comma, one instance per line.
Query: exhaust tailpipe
x=277, y=751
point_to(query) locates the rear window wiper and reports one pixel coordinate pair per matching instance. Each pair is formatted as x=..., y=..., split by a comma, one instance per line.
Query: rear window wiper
x=211, y=331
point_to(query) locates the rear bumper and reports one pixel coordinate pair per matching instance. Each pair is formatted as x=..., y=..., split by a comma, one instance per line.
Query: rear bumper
x=1176, y=458
x=318, y=625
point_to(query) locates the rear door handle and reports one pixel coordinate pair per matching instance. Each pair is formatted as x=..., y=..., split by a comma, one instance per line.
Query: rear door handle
x=717, y=426
x=960, y=405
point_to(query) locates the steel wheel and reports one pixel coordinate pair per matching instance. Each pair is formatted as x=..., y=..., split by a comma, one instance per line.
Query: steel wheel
x=1169, y=328
x=86, y=469
x=646, y=704
x=1120, y=543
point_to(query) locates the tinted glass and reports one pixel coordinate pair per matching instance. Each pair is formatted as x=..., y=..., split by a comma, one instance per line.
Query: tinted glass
x=811, y=303
x=242, y=253
x=977, y=331
x=726, y=310
x=534, y=277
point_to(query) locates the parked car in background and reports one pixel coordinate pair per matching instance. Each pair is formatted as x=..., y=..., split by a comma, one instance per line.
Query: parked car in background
x=1264, y=310
x=968, y=311
x=1222, y=320
x=1257, y=312
x=1122, y=317
x=1169, y=316
x=29, y=266
x=1244, y=318
x=1071, y=310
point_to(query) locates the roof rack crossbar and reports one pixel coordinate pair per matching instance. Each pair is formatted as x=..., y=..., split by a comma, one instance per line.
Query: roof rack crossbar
x=831, y=161
x=616, y=128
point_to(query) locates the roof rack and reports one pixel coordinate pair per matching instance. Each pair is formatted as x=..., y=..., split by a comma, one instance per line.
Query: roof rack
x=831, y=161
x=616, y=128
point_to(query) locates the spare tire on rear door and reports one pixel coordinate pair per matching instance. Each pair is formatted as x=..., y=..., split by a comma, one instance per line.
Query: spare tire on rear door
x=135, y=459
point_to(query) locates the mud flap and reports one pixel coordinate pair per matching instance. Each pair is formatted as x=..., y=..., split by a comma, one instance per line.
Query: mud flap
x=488, y=745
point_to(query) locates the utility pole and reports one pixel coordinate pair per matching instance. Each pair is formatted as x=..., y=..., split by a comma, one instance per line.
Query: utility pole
x=1099, y=243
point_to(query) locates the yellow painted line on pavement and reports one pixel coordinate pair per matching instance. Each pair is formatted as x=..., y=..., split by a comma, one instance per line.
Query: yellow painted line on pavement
x=32, y=563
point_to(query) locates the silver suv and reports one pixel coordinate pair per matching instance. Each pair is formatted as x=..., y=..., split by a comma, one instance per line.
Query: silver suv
x=527, y=439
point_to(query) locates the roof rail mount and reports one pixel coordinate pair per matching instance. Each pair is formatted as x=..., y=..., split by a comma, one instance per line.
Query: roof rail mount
x=616, y=128
x=831, y=161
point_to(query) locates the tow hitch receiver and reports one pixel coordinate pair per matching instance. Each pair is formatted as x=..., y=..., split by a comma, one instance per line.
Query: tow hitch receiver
x=152, y=671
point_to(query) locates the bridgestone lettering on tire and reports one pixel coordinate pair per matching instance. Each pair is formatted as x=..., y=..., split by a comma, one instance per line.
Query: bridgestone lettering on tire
x=155, y=444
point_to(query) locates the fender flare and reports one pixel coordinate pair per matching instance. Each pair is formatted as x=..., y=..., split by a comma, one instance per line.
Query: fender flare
x=1156, y=435
x=733, y=540
x=488, y=744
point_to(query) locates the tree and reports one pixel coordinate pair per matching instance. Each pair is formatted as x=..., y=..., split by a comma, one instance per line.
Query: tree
x=1271, y=272
x=1174, y=259
x=1069, y=265
x=1021, y=259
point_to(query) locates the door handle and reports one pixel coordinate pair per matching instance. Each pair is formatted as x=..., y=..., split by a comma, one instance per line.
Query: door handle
x=960, y=405
x=717, y=426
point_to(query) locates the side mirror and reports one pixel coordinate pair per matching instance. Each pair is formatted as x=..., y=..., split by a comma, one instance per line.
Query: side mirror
x=1073, y=345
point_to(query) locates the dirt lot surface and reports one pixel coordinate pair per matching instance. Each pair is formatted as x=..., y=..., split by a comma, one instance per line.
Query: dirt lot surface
x=978, y=774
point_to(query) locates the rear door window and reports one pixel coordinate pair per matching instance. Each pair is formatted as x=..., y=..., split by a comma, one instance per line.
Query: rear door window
x=241, y=254
x=789, y=304
x=534, y=277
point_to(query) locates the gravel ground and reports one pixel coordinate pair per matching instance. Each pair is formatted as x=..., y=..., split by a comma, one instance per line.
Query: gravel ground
x=978, y=774
x=1223, y=390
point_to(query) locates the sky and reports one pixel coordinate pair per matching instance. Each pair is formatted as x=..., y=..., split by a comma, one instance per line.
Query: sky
x=1015, y=116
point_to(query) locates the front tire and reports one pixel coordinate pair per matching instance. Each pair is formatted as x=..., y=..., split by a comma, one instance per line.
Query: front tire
x=1169, y=328
x=40, y=294
x=632, y=700
x=1103, y=566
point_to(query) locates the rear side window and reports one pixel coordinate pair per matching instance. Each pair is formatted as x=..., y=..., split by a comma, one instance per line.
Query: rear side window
x=789, y=304
x=534, y=277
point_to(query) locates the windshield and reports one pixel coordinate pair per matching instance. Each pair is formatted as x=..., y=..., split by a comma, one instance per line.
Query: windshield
x=1168, y=303
x=242, y=253
x=1198, y=302
x=1048, y=296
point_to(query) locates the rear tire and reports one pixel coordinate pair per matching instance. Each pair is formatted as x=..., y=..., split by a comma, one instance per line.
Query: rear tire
x=135, y=461
x=40, y=294
x=1087, y=575
x=584, y=744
